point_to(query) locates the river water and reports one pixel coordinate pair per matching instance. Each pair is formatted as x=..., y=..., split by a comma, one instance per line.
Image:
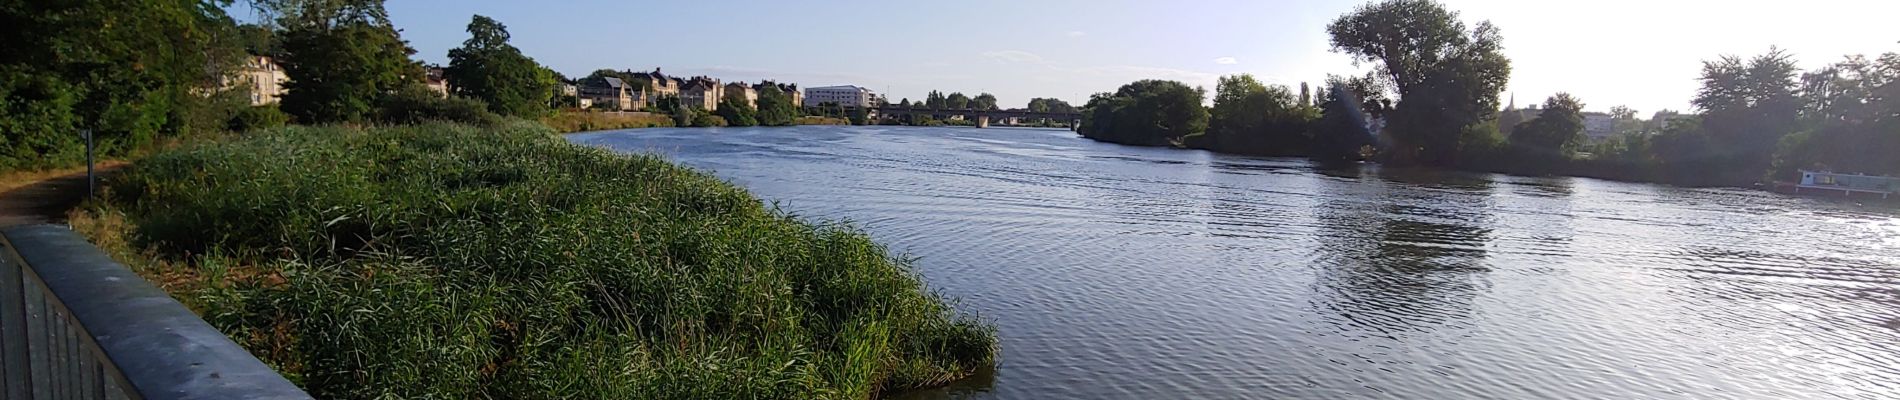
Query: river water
x=1129, y=272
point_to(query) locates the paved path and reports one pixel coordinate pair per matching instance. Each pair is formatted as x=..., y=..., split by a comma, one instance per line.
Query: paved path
x=47, y=200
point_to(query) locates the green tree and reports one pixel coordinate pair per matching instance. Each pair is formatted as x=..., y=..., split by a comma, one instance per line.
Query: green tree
x=342, y=57
x=737, y=110
x=1747, y=107
x=983, y=101
x=957, y=101
x=935, y=100
x=128, y=70
x=1146, y=112
x=489, y=69
x=1852, y=113
x=1554, y=135
x=1447, y=77
x=1252, y=118
x=775, y=106
x=1340, y=134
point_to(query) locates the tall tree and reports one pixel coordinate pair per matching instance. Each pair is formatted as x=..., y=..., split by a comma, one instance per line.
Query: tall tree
x=1340, y=134
x=983, y=101
x=957, y=101
x=1447, y=77
x=1747, y=107
x=1253, y=118
x=129, y=71
x=935, y=100
x=342, y=58
x=1554, y=135
x=489, y=69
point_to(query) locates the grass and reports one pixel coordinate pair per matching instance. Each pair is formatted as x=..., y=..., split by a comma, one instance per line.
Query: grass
x=582, y=121
x=445, y=261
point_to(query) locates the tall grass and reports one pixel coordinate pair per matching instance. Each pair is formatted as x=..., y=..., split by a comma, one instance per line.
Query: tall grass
x=445, y=261
x=582, y=121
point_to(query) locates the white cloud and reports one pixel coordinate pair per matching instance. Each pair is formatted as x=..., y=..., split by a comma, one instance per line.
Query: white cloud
x=1226, y=61
x=1076, y=34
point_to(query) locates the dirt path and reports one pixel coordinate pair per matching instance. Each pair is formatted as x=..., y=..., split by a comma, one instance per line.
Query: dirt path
x=35, y=197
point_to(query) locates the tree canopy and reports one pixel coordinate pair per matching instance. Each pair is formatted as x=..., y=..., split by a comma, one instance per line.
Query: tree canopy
x=775, y=106
x=1147, y=112
x=1447, y=76
x=1554, y=134
x=342, y=58
x=1253, y=118
x=489, y=69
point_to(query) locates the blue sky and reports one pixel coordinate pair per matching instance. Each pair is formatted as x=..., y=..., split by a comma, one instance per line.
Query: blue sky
x=1641, y=53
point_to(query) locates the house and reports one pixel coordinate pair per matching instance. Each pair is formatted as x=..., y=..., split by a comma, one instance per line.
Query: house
x=607, y=92
x=844, y=95
x=790, y=89
x=437, y=81
x=701, y=92
x=262, y=77
x=750, y=95
x=649, y=87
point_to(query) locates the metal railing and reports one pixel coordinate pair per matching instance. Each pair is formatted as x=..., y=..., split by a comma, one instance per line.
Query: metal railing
x=74, y=324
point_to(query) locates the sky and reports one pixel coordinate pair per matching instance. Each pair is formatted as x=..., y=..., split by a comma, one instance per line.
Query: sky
x=1644, y=54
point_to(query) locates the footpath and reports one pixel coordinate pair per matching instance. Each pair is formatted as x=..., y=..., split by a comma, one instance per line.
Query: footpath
x=45, y=196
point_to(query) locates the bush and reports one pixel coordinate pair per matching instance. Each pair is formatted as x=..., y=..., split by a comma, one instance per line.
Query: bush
x=815, y=120
x=595, y=121
x=708, y=120
x=445, y=261
x=417, y=104
x=258, y=117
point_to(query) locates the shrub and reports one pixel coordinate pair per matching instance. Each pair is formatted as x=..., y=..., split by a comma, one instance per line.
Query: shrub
x=258, y=117
x=417, y=104
x=596, y=121
x=708, y=120
x=445, y=261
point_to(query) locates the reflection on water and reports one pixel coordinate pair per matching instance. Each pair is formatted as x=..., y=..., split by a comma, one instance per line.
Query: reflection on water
x=1127, y=272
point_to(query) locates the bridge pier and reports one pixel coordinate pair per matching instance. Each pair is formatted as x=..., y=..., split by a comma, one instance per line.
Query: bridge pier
x=982, y=121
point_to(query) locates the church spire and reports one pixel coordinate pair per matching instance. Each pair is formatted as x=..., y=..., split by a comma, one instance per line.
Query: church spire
x=1513, y=105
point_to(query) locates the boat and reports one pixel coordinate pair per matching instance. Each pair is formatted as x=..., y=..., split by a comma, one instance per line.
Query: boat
x=1824, y=183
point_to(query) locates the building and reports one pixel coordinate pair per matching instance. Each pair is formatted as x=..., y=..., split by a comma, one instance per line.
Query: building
x=607, y=92
x=701, y=92
x=437, y=81
x=846, y=95
x=1598, y=126
x=649, y=87
x=263, y=78
x=750, y=95
x=790, y=89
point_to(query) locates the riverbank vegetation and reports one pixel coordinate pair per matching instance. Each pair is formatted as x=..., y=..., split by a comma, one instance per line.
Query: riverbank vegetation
x=583, y=121
x=1432, y=100
x=453, y=261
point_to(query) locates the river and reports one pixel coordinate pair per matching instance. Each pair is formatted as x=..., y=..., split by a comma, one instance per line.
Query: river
x=1129, y=272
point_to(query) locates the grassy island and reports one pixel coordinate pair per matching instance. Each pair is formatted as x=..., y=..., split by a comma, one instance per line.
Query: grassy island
x=449, y=261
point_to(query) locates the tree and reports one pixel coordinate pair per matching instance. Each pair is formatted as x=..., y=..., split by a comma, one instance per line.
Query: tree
x=489, y=69
x=1447, y=77
x=1146, y=112
x=1747, y=107
x=1340, y=134
x=1252, y=118
x=957, y=101
x=737, y=111
x=129, y=71
x=1851, y=110
x=1554, y=135
x=342, y=58
x=936, y=100
x=775, y=107
x=984, y=101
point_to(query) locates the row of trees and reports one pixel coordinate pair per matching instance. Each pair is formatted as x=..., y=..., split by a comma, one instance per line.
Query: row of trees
x=128, y=76
x=954, y=101
x=135, y=71
x=1432, y=99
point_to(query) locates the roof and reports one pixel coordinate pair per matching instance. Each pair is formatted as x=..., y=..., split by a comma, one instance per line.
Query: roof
x=615, y=82
x=841, y=87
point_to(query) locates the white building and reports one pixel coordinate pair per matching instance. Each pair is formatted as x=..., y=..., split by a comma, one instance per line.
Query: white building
x=1598, y=126
x=847, y=95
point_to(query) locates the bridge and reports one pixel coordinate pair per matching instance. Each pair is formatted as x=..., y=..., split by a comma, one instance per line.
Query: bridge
x=981, y=116
x=74, y=324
